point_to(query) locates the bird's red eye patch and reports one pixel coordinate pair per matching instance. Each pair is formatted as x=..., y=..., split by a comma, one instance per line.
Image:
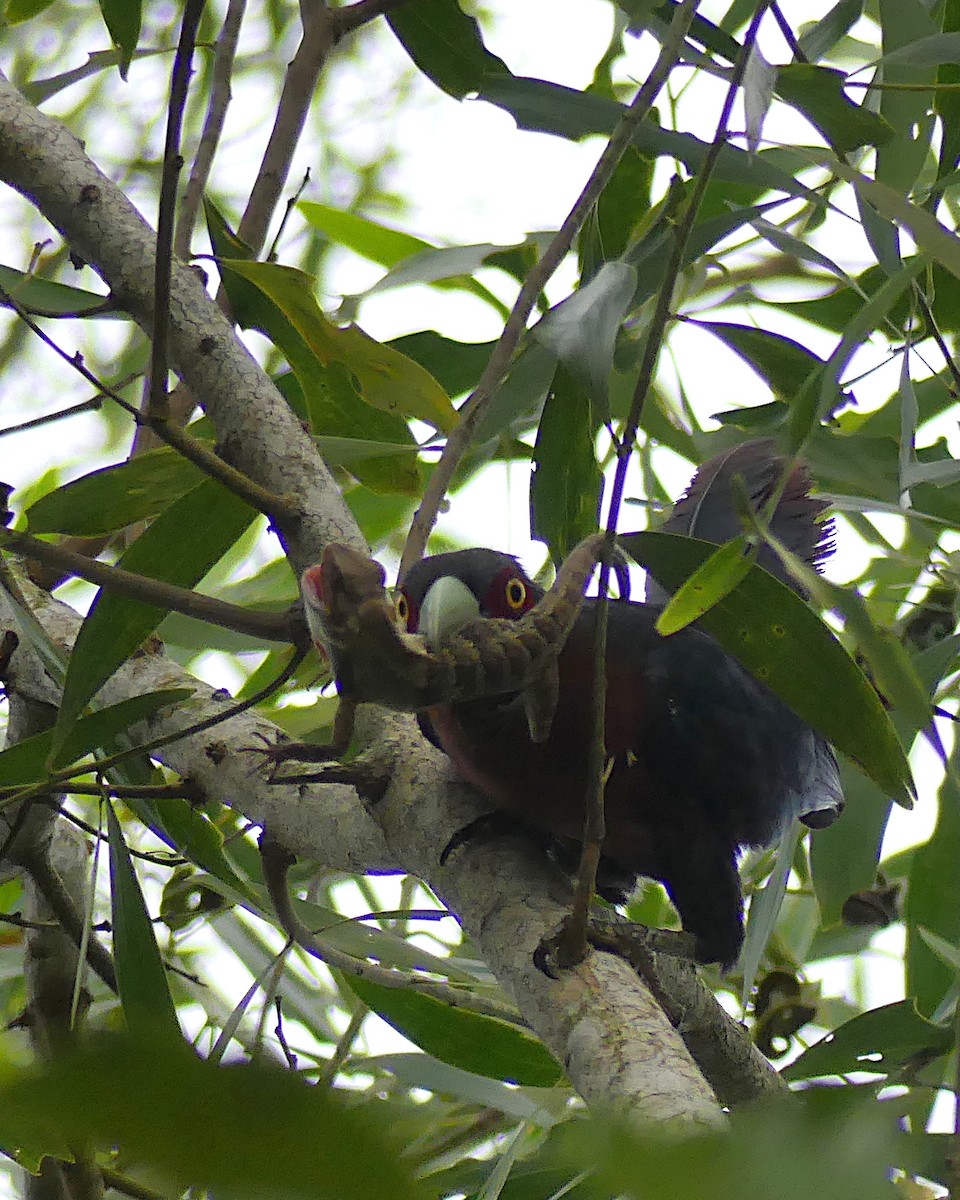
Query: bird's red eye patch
x=510, y=595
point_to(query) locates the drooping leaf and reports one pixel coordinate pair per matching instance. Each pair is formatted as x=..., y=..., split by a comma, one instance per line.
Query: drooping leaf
x=619, y=209
x=566, y=483
x=582, y=330
x=386, y=379
x=780, y=361
x=455, y=365
x=446, y=44
x=818, y=92
x=141, y=978
x=122, y=19
x=464, y=1039
x=882, y=1041
x=819, y=39
x=933, y=899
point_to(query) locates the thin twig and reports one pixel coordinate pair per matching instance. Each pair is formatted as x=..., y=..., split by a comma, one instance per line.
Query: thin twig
x=299, y=85
x=280, y=509
x=217, y=105
x=60, y=780
x=574, y=937
x=352, y=16
x=269, y=626
x=172, y=165
x=474, y=407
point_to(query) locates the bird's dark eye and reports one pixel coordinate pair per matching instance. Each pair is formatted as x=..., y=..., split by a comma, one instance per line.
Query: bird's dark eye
x=515, y=594
x=402, y=608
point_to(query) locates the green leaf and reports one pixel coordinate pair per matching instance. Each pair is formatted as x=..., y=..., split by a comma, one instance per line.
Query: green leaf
x=141, y=977
x=546, y=107
x=819, y=39
x=931, y=235
x=382, y=455
x=906, y=108
x=22, y=10
x=468, y=1040
x=409, y=259
x=818, y=93
x=928, y=51
x=844, y=857
x=516, y=403
x=47, y=296
x=122, y=19
x=622, y=204
x=386, y=379
x=114, y=497
x=582, y=330
x=179, y=547
x=566, y=482
x=770, y=630
x=881, y=1041
x=780, y=361
x=40, y=90
x=821, y=389
x=248, y=1129
x=933, y=898
x=708, y=585
x=455, y=365
x=26, y=761
x=381, y=244
x=446, y=45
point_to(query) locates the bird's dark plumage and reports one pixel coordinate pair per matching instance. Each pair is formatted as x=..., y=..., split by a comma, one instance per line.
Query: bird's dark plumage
x=706, y=759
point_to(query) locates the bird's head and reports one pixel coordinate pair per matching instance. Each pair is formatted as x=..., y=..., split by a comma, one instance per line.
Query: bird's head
x=442, y=593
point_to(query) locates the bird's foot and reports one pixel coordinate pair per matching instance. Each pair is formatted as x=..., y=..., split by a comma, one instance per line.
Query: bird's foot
x=489, y=824
x=631, y=941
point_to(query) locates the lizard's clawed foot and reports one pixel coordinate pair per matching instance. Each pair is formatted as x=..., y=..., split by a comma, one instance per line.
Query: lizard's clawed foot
x=273, y=754
x=631, y=941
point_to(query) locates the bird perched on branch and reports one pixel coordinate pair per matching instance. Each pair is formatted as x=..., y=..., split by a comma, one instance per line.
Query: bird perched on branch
x=703, y=758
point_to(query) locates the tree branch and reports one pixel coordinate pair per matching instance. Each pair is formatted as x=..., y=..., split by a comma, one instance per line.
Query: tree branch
x=599, y=1019
x=268, y=626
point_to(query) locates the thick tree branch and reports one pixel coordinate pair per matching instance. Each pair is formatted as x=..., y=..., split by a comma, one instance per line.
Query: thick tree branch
x=599, y=1019
x=258, y=433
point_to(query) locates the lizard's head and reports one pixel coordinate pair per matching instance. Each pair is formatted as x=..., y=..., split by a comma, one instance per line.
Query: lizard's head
x=335, y=589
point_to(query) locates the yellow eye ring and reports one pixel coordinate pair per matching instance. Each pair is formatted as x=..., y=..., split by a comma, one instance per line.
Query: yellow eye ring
x=515, y=594
x=401, y=607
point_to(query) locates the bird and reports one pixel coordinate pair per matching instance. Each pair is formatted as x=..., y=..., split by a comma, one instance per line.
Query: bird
x=702, y=758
